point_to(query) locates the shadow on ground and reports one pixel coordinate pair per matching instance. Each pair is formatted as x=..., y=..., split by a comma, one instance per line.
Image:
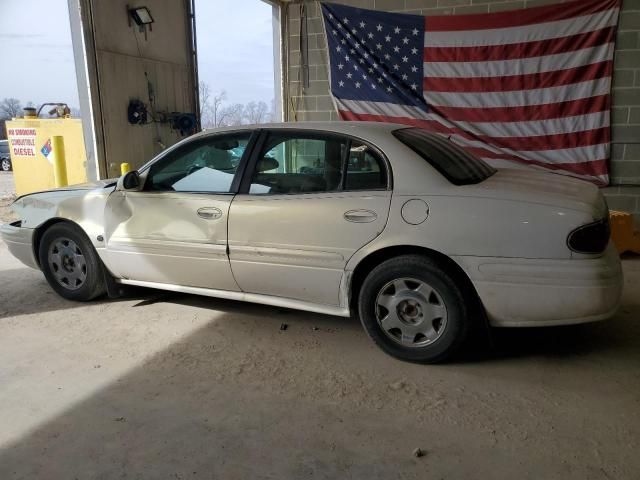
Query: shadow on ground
x=241, y=398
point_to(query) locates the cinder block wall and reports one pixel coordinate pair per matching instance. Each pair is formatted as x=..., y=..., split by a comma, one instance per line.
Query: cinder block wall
x=314, y=103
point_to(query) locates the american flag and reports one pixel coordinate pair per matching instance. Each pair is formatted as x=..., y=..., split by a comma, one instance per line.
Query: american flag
x=529, y=87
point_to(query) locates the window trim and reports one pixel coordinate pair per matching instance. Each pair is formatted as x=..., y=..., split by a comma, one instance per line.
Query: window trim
x=245, y=184
x=235, y=183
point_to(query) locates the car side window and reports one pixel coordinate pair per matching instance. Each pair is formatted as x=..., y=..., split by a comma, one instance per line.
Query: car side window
x=365, y=169
x=204, y=165
x=292, y=163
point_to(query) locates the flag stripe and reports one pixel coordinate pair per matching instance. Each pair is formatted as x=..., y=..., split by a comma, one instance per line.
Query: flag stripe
x=520, y=50
x=520, y=66
x=530, y=33
x=540, y=112
x=520, y=82
x=453, y=23
x=520, y=98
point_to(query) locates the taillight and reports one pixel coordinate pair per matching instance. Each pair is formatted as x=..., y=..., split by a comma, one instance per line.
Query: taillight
x=590, y=238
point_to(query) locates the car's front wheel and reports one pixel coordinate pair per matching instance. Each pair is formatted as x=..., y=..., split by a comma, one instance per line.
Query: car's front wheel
x=413, y=309
x=70, y=263
x=5, y=165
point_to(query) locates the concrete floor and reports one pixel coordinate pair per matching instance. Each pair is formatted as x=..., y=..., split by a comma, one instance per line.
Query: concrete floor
x=163, y=385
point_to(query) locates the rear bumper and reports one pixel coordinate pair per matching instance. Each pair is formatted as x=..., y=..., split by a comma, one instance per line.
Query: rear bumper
x=530, y=292
x=19, y=242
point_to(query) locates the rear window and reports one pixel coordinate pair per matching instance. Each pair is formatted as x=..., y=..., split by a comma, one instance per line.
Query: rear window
x=456, y=164
x=4, y=147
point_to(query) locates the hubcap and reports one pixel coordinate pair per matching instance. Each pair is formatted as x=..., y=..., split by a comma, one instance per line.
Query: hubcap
x=67, y=263
x=411, y=312
x=5, y=165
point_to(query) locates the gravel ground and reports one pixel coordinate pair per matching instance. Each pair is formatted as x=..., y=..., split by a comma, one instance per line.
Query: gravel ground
x=7, y=195
x=162, y=385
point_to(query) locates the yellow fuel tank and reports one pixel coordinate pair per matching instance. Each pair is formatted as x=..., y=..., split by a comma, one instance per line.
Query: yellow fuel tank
x=32, y=155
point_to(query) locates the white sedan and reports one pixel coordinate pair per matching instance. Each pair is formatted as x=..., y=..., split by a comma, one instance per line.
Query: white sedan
x=401, y=227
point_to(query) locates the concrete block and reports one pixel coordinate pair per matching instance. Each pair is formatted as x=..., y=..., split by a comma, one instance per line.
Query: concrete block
x=629, y=20
x=314, y=116
x=314, y=25
x=317, y=87
x=390, y=5
x=632, y=151
x=370, y=4
x=625, y=133
x=468, y=9
x=453, y=3
x=628, y=170
x=324, y=103
x=623, y=78
x=619, y=115
x=305, y=103
x=318, y=57
x=634, y=115
x=502, y=7
x=420, y=4
x=617, y=151
x=626, y=96
x=627, y=59
x=627, y=40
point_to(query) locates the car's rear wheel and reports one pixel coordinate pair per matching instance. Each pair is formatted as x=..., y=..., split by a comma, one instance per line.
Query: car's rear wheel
x=413, y=309
x=5, y=165
x=70, y=263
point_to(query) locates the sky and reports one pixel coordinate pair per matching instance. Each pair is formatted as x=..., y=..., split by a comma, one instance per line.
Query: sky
x=235, y=50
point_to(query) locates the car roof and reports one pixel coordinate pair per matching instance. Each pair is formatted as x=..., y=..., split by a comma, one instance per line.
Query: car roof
x=353, y=128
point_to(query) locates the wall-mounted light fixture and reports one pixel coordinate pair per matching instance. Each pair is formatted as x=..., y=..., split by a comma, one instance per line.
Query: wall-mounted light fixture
x=141, y=15
x=142, y=18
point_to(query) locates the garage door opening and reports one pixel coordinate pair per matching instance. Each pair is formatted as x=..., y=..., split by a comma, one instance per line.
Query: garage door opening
x=237, y=62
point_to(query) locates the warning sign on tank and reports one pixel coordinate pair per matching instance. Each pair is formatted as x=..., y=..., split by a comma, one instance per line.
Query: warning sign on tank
x=22, y=141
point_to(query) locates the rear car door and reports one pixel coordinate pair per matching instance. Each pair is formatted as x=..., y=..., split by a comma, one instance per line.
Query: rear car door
x=174, y=231
x=308, y=201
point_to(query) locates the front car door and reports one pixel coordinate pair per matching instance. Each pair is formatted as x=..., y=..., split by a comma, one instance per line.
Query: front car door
x=308, y=201
x=174, y=231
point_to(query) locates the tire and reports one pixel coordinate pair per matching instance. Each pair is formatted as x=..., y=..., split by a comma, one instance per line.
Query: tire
x=5, y=165
x=428, y=316
x=70, y=263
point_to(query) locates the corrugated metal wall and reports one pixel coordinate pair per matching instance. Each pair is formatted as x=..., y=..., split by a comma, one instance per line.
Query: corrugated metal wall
x=123, y=64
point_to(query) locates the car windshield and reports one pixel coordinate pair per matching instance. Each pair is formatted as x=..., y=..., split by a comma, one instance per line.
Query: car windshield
x=456, y=164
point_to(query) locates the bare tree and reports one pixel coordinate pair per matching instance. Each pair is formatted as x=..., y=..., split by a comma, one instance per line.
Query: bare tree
x=232, y=114
x=210, y=106
x=256, y=112
x=216, y=107
x=205, y=106
x=10, y=107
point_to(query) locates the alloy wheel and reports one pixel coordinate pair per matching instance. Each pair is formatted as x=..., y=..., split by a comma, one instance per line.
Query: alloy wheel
x=67, y=263
x=411, y=312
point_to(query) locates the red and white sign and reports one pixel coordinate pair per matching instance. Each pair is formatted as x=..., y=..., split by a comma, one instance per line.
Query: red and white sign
x=22, y=141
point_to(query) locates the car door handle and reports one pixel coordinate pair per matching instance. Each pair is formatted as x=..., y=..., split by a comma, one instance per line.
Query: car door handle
x=360, y=216
x=209, y=213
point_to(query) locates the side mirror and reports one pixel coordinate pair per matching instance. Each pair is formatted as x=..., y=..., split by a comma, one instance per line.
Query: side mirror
x=129, y=181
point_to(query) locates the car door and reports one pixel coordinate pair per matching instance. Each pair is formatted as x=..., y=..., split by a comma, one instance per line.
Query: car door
x=174, y=230
x=308, y=202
